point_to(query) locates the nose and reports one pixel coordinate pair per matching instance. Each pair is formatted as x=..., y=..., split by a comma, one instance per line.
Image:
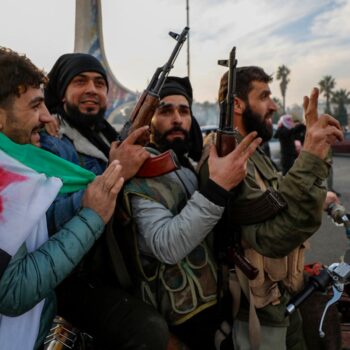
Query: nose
x=177, y=117
x=90, y=86
x=273, y=105
x=45, y=116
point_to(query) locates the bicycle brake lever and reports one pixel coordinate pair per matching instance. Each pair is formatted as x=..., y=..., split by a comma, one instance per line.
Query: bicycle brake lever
x=337, y=293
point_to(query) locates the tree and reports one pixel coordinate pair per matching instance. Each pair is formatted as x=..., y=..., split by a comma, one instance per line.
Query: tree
x=327, y=84
x=279, y=112
x=282, y=74
x=341, y=98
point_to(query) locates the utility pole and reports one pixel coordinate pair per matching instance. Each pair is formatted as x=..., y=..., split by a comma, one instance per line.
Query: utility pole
x=188, y=38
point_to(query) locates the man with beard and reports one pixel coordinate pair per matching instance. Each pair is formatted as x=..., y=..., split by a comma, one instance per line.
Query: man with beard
x=31, y=263
x=271, y=217
x=171, y=219
x=91, y=298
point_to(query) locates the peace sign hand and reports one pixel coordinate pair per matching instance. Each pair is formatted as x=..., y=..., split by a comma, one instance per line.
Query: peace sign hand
x=321, y=131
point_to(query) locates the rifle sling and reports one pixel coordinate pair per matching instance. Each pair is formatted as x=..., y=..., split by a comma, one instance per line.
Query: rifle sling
x=117, y=259
x=263, y=208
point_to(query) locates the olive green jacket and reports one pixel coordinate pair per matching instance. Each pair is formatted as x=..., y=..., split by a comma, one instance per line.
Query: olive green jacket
x=303, y=190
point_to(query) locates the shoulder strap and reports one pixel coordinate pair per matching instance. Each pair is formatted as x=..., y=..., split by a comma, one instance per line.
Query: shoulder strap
x=117, y=260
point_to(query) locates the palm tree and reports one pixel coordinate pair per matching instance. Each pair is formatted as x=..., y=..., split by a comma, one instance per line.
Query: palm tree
x=279, y=112
x=327, y=84
x=282, y=74
x=341, y=98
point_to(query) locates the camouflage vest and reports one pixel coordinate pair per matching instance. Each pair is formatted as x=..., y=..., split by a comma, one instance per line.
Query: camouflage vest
x=178, y=291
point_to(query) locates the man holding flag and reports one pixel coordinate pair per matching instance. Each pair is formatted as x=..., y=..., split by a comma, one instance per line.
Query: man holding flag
x=31, y=264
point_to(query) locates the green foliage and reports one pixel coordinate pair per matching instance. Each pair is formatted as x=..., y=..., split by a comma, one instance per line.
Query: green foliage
x=341, y=98
x=327, y=85
x=279, y=111
x=282, y=74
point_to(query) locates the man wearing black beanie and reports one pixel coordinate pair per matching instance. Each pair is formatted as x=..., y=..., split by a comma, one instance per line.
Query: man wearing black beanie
x=171, y=220
x=77, y=94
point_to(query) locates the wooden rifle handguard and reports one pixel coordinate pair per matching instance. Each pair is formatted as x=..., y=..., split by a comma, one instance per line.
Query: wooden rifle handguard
x=159, y=165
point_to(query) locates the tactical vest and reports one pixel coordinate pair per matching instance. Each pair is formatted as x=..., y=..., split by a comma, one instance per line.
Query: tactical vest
x=178, y=291
x=287, y=271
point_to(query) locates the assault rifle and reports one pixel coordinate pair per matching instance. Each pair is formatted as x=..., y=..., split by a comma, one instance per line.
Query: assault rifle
x=146, y=106
x=225, y=136
x=226, y=143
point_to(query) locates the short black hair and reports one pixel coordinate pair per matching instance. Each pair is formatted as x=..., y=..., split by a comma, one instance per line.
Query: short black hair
x=244, y=78
x=17, y=73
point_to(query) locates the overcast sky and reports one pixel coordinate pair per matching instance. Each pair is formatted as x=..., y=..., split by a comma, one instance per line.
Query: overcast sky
x=311, y=37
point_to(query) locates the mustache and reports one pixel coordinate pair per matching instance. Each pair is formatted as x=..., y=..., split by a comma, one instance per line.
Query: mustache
x=38, y=127
x=176, y=129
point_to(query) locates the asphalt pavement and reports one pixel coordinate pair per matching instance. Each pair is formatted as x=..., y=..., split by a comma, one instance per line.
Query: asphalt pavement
x=329, y=243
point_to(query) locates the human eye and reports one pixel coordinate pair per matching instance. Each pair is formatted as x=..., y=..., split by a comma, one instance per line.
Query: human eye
x=79, y=80
x=165, y=111
x=100, y=83
x=265, y=95
x=184, y=111
x=36, y=105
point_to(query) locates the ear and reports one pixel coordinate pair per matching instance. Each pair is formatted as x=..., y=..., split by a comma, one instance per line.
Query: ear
x=239, y=106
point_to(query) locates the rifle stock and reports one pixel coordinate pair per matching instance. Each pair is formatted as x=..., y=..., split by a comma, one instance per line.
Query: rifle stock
x=159, y=165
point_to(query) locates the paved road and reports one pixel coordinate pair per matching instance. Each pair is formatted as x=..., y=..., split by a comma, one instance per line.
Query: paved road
x=330, y=242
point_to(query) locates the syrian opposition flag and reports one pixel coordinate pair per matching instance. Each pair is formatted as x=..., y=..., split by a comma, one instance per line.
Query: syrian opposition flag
x=25, y=196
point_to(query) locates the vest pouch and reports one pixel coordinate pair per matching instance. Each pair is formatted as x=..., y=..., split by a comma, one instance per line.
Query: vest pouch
x=147, y=295
x=257, y=261
x=276, y=269
x=201, y=269
x=264, y=289
x=295, y=279
x=179, y=290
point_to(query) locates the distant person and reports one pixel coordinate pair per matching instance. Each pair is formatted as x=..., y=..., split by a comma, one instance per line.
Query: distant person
x=286, y=133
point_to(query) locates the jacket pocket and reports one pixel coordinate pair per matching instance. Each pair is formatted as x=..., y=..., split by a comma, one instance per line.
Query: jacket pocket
x=179, y=288
x=201, y=269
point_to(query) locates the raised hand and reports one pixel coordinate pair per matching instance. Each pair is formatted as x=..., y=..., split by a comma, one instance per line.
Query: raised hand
x=130, y=155
x=321, y=131
x=230, y=170
x=101, y=194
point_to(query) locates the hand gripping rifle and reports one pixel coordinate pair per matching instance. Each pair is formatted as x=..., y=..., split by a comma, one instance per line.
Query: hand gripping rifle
x=146, y=106
x=226, y=143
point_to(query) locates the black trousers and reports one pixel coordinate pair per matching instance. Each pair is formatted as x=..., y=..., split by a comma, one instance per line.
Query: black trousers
x=114, y=318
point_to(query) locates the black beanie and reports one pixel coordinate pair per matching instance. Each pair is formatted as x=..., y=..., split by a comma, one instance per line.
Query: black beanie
x=63, y=71
x=182, y=86
x=177, y=86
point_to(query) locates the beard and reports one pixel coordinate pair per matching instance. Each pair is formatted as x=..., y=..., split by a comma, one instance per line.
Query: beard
x=83, y=119
x=178, y=145
x=256, y=122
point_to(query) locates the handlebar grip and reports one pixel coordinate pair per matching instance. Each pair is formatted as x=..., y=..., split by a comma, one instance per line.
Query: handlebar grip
x=319, y=282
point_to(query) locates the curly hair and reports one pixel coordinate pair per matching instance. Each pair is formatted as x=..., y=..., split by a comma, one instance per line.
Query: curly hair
x=244, y=78
x=17, y=73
